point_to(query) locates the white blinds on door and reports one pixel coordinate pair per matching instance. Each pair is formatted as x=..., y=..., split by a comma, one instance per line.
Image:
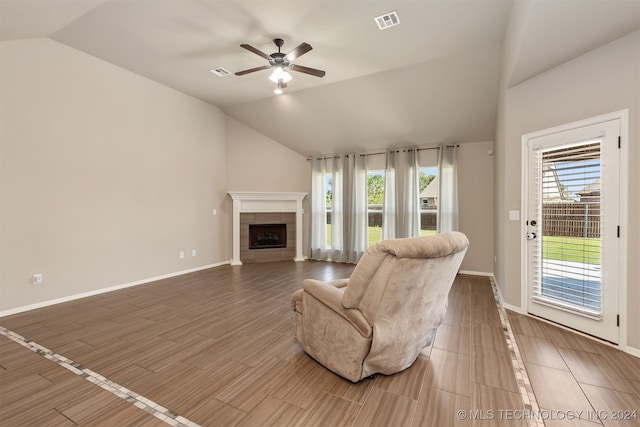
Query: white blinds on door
x=568, y=245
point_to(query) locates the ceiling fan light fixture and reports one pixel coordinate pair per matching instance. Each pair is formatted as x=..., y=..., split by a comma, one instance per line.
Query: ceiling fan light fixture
x=281, y=85
x=280, y=74
x=281, y=63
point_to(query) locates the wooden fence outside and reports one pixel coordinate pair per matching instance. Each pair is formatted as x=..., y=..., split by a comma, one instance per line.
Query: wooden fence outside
x=428, y=218
x=571, y=219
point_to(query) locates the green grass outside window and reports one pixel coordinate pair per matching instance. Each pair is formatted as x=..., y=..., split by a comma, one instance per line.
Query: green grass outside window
x=575, y=249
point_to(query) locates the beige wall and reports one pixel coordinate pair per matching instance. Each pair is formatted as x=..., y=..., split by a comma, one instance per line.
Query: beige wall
x=517, y=26
x=599, y=82
x=475, y=203
x=106, y=176
x=257, y=163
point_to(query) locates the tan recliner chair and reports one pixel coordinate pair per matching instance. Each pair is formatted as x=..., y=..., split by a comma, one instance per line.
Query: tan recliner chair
x=379, y=319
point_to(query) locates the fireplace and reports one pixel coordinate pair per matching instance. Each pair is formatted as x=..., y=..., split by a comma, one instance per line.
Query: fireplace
x=266, y=236
x=268, y=209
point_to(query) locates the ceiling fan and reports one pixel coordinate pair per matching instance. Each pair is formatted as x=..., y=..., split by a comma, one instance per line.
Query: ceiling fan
x=282, y=62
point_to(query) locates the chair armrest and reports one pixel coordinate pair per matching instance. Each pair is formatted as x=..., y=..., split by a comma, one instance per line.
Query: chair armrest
x=296, y=298
x=331, y=296
x=338, y=283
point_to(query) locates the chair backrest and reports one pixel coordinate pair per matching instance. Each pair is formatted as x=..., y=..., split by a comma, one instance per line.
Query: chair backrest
x=401, y=287
x=401, y=277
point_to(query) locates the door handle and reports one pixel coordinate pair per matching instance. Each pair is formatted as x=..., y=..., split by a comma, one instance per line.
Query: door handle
x=531, y=236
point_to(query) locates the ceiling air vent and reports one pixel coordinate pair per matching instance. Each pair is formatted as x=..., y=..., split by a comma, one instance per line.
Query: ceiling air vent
x=220, y=72
x=387, y=20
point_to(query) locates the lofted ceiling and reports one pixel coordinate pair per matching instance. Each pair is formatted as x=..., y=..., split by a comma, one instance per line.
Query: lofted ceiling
x=434, y=78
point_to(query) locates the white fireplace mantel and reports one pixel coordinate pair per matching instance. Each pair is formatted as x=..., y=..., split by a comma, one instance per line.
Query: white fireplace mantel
x=254, y=202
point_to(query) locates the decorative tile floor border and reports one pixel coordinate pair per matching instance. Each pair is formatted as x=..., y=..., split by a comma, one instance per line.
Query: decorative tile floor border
x=531, y=409
x=132, y=397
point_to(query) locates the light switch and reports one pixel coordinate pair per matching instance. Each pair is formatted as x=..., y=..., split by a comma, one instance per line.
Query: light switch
x=514, y=215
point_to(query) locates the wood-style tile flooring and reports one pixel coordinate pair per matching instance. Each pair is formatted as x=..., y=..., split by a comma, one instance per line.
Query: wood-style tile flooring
x=574, y=376
x=216, y=347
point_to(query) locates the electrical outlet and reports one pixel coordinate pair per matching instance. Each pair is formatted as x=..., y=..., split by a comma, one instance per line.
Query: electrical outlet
x=181, y=254
x=37, y=279
x=193, y=252
x=215, y=212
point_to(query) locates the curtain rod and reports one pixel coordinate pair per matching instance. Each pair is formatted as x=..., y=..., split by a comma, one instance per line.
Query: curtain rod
x=381, y=152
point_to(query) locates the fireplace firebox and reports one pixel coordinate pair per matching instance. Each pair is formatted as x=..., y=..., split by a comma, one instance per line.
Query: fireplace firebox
x=267, y=236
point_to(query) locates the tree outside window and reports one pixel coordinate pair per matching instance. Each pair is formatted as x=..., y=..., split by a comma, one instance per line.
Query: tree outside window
x=375, y=199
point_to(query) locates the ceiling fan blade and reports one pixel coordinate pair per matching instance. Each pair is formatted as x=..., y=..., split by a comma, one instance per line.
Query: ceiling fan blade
x=252, y=70
x=307, y=70
x=298, y=51
x=256, y=51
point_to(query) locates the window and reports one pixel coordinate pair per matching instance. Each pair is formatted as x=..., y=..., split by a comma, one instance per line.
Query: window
x=428, y=200
x=338, y=208
x=329, y=198
x=375, y=199
x=369, y=217
x=573, y=256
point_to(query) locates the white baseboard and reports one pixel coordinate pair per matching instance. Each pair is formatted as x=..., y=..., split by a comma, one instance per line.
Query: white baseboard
x=513, y=308
x=633, y=351
x=104, y=290
x=475, y=273
x=507, y=306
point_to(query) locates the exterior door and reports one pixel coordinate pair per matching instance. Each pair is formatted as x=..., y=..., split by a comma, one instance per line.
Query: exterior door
x=572, y=227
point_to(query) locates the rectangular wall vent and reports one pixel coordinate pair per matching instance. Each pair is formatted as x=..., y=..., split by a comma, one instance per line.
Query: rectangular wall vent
x=387, y=20
x=220, y=72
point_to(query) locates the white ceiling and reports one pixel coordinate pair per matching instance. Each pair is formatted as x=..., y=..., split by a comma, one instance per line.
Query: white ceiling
x=432, y=79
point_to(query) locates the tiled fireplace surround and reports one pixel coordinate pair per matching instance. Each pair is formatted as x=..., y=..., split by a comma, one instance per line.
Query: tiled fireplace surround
x=266, y=208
